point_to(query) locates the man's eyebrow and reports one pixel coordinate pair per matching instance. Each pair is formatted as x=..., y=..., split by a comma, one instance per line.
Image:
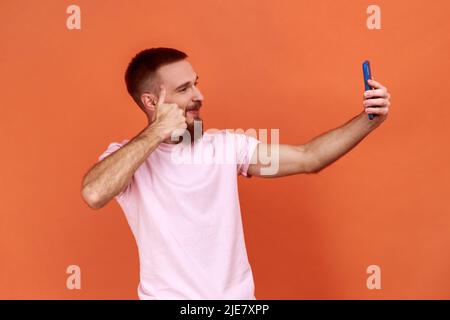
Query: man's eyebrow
x=185, y=84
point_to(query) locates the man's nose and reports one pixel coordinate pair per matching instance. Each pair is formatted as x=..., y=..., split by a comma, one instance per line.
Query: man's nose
x=197, y=95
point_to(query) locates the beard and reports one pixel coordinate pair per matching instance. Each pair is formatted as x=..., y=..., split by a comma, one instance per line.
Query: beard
x=195, y=127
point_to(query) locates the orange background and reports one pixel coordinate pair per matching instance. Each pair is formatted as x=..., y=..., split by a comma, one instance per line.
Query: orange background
x=291, y=65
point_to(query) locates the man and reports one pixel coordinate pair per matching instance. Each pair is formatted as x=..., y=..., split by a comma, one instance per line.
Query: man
x=186, y=216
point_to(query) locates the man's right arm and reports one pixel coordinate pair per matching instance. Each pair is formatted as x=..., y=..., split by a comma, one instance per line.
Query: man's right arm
x=111, y=175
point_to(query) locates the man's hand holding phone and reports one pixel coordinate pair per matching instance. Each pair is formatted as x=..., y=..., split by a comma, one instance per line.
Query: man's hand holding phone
x=376, y=97
x=376, y=101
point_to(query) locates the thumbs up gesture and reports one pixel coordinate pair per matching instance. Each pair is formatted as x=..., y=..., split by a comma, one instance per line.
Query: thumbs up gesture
x=168, y=119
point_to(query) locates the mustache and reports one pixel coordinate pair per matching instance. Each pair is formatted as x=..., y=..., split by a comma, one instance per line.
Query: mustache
x=194, y=107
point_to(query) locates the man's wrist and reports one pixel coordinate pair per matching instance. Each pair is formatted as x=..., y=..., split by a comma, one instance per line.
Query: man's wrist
x=153, y=131
x=371, y=124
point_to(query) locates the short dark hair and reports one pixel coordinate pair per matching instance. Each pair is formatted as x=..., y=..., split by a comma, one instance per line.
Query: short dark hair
x=142, y=68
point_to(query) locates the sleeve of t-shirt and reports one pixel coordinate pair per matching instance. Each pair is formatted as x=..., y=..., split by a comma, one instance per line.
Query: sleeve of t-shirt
x=113, y=147
x=245, y=147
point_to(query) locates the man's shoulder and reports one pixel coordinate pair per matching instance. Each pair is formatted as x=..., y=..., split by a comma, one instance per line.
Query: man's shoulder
x=112, y=147
x=118, y=143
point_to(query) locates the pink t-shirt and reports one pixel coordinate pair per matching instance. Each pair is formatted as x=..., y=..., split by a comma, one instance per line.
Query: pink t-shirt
x=182, y=206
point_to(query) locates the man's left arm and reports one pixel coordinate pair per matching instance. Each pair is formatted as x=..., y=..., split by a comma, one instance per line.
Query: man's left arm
x=325, y=149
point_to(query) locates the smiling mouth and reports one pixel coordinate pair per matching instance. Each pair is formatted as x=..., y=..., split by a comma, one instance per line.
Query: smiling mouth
x=193, y=110
x=195, y=107
x=193, y=114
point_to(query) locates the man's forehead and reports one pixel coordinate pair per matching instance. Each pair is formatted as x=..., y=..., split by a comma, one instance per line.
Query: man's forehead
x=176, y=73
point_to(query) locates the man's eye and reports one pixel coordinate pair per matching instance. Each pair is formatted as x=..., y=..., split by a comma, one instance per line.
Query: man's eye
x=185, y=88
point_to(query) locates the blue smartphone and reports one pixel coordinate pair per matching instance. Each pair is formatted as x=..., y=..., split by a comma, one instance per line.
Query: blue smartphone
x=367, y=75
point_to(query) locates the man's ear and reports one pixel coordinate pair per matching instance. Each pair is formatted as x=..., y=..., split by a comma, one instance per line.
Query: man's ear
x=149, y=101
